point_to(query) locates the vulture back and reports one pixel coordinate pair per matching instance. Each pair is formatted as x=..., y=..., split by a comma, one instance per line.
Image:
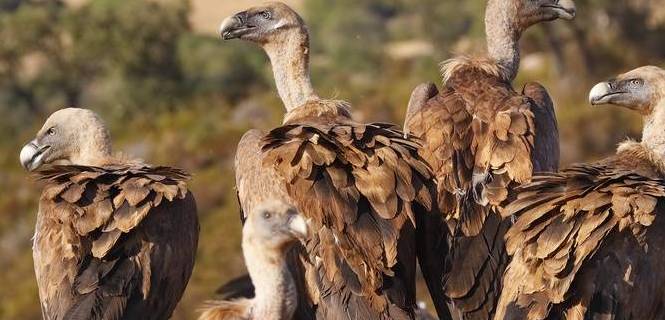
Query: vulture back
x=588, y=244
x=481, y=139
x=117, y=242
x=362, y=186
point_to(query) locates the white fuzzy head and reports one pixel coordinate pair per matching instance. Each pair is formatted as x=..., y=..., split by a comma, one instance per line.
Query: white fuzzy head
x=73, y=136
x=274, y=225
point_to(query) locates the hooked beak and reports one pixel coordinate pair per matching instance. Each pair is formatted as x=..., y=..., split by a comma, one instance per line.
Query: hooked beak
x=235, y=27
x=298, y=227
x=565, y=9
x=603, y=93
x=32, y=155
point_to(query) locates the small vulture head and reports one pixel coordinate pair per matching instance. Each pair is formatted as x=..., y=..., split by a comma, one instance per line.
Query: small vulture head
x=262, y=24
x=641, y=90
x=275, y=225
x=69, y=136
x=531, y=12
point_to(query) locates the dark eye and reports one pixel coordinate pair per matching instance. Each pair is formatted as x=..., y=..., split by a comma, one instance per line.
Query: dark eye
x=51, y=132
x=266, y=15
x=267, y=215
x=636, y=82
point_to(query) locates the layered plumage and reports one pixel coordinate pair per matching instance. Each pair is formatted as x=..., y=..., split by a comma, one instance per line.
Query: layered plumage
x=588, y=241
x=362, y=185
x=114, y=239
x=268, y=234
x=481, y=139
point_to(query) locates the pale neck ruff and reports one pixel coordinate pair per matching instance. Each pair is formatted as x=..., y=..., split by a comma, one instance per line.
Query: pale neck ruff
x=653, y=135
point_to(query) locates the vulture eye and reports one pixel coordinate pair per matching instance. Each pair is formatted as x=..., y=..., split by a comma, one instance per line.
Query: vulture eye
x=636, y=82
x=266, y=15
x=267, y=215
x=51, y=132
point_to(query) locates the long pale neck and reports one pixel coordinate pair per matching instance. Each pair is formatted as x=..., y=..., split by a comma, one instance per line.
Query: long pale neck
x=276, y=295
x=653, y=135
x=290, y=63
x=94, y=152
x=502, y=39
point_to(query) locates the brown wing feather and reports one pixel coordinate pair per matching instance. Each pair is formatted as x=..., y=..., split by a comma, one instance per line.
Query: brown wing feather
x=564, y=221
x=433, y=248
x=478, y=137
x=546, y=152
x=114, y=242
x=360, y=185
x=476, y=265
x=481, y=139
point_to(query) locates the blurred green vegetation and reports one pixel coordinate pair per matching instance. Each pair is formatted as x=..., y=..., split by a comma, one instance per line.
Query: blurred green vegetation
x=175, y=97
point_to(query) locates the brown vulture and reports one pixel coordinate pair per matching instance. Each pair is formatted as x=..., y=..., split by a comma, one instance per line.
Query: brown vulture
x=481, y=139
x=360, y=184
x=115, y=239
x=588, y=243
x=269, y=232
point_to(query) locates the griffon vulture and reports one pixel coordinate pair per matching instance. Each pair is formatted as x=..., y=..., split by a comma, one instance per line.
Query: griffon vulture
x=269, y=232
x=360, y=184
x=482, y=138
x=115, y=239
x=588, y=243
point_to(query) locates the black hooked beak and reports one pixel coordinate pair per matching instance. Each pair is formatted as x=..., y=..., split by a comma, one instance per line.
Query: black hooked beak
x=235, y=27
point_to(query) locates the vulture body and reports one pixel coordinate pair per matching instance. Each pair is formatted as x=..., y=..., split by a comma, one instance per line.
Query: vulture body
x=268, y=234
x=481, y=138
x=362, y=185
x=114, y=239
x=588, y=242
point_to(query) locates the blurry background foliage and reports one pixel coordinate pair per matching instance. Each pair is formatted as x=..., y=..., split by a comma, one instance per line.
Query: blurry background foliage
x=174, y=94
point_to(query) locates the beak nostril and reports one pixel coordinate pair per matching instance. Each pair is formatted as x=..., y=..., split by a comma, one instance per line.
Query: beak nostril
x=240, y=18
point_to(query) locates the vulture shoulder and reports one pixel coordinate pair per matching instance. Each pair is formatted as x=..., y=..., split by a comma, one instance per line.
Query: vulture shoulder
x=114, y=242
x=419, y=97
x=360, y=185
x=582, y=243
x=254, y=183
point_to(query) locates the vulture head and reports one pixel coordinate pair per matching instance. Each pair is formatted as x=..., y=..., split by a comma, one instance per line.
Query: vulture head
x=69, y=136
x=522, y=14
x=263, y=24
x=641, y=89
x=283, y=35
x=274, y=226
